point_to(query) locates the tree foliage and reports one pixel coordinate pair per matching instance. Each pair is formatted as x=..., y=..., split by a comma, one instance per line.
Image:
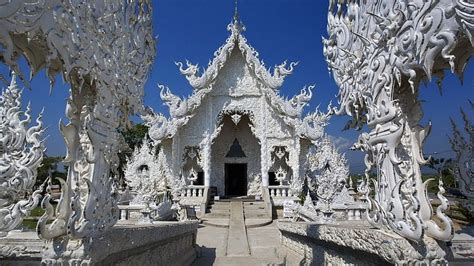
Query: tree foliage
x=131, y=138
x=50, y=166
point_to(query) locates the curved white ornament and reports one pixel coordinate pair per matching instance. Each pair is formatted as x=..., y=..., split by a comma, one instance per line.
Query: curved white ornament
x=21, y=153
x=378, y=52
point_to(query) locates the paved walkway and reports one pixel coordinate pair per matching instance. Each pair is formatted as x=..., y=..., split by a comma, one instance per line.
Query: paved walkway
x=238, y=245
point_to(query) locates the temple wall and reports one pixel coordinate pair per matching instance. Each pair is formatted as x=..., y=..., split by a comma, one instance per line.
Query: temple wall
x=354, y=244
x=170, y=243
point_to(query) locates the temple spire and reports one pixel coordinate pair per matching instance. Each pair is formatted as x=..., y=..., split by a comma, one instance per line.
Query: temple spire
x=236, y=13
x=236, y=26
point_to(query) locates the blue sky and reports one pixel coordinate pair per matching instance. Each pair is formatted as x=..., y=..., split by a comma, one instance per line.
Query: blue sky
x=279, y=30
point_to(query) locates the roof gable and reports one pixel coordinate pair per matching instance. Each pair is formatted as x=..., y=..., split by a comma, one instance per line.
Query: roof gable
x=181, y=110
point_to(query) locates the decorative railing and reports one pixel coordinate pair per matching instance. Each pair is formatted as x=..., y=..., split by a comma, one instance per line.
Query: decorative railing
x=193, y=191
x=280, y=194
x=280, y=191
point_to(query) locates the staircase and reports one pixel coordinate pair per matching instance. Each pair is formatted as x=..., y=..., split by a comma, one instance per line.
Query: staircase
x=247, y=241
x=218, y=212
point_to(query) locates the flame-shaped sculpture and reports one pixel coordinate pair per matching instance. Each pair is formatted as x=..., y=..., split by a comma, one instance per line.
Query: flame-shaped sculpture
x=327, y=172
x=21, y=152
x=379, y=51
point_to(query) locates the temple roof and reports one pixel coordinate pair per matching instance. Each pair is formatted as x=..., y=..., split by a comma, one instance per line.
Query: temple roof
x=181, y=110
x=202, y=84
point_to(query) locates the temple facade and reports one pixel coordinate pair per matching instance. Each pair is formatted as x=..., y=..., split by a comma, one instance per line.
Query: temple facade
x=235, y=131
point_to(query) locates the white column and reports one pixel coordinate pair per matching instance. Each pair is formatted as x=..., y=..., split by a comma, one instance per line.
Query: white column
x=207, y=162
x=264, y=162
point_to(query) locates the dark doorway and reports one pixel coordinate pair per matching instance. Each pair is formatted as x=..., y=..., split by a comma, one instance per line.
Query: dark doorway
x=236, y=179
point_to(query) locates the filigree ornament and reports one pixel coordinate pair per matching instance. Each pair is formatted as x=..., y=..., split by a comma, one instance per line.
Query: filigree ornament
x=279, y=152
x=327, y=173
x=379, y=52
x=463, y=146
x=192, y=176
x=148, y=174
x=104, y=52
x=236, y=118
x=21, y=151
x=280, y=175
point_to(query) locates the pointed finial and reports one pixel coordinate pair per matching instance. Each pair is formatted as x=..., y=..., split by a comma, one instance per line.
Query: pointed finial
x=13, y=80
x=236, y=26
x=236, y=12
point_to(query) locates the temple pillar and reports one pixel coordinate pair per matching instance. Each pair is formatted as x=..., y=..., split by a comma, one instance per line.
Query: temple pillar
x=207, y=163
x=264, y=162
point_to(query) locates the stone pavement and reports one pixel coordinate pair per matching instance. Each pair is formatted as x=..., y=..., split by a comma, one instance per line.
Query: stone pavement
x=238, y=245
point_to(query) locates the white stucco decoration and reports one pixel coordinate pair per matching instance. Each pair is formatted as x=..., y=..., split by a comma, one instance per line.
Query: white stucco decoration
x=147, y=174
x=378, y=52
x=21, y=152
x=104, y=51
x=463, y=145
x=237, y=98
x=327, y=174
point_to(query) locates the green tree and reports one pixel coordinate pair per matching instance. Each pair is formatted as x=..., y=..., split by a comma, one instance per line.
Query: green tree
x=48, y=167
x=131, y=138
x=444, y=169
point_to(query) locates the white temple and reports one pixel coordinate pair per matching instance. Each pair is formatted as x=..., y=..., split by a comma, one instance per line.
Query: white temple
x=236, y=128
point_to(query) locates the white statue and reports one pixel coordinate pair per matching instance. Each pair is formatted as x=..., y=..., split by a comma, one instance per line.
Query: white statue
x=21, y=152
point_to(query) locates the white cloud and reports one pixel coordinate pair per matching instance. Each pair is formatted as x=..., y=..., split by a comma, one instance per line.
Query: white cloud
x=341, y=143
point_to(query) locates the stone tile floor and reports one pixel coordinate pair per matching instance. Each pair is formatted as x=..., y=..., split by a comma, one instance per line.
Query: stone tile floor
x=237, y=244
x=214, y=242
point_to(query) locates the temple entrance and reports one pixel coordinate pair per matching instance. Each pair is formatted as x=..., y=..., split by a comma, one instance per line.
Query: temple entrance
x=235, y=179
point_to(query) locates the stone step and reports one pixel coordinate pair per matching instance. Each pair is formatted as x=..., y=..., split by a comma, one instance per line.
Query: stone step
x=251, y=216
x=254, y=211
x=254, y=203
x=257, y=222
x=216, y=215
x=216, y=222
x=254, y=207
x=219, y=207
x=223, y=211
x=224, y=203
x=247, y=260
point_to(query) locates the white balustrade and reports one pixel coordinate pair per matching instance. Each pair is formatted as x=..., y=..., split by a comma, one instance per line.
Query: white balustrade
x=280, y=191
x=194, y=191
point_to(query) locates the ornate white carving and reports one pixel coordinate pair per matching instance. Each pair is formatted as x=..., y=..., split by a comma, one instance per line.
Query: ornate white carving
x=192, y=176
x=21, y=151
x=255, y=185
x=464, y=149
x=378, y=52
x=327, y=172
x=104, y=52
x=280, y=175
x=182, y=110
x=147, y=174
